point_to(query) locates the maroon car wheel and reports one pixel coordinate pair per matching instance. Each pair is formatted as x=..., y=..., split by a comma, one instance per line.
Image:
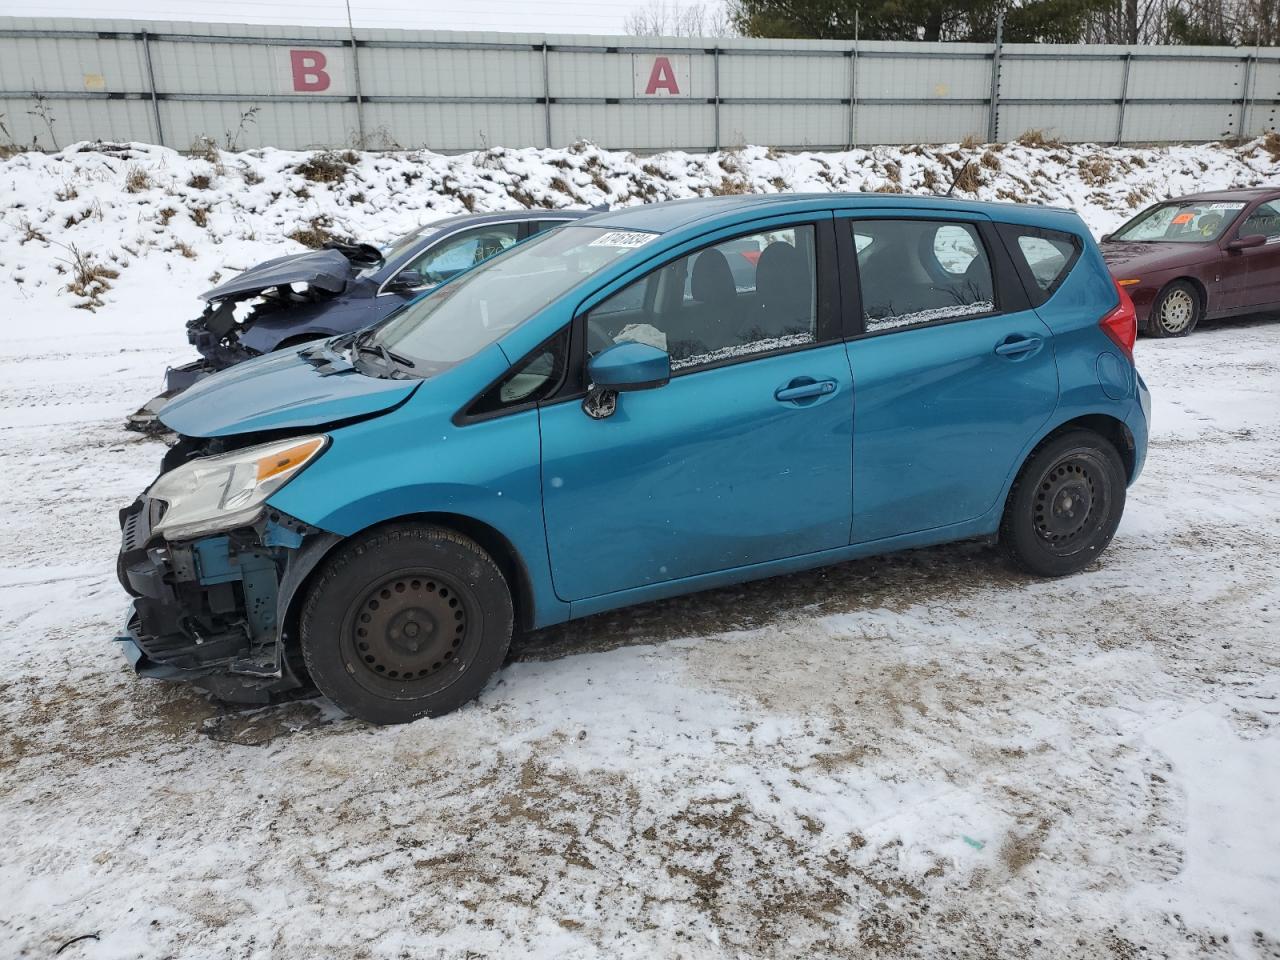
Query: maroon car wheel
x=1176, y=310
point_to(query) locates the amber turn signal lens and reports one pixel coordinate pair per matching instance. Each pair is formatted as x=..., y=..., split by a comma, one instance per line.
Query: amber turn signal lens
x=289, y=459
x=1127, y=283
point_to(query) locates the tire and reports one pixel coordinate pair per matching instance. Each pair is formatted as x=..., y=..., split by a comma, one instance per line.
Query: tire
x=406, y=621
x=1043, y=530
x=1176, y=310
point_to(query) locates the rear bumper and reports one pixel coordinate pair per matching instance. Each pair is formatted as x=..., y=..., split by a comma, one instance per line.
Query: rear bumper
x=1139, y=424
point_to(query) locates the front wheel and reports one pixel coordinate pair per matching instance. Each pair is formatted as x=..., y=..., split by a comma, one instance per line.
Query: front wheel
x=1176, y=311
x=1065, y=506
x=404, y=622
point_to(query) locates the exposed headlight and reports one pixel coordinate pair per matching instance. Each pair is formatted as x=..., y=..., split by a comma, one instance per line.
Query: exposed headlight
x=218, y=493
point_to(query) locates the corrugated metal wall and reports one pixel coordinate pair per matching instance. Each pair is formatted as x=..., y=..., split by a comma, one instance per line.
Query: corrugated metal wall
x=298, y=87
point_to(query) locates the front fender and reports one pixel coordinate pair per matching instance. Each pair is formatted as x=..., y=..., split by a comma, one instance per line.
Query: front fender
x=416, y=461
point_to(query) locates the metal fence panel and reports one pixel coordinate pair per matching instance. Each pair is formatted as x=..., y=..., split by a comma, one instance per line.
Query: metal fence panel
x=301, y=87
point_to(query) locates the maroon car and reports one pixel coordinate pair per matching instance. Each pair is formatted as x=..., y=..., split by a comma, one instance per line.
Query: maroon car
x=1207, y=255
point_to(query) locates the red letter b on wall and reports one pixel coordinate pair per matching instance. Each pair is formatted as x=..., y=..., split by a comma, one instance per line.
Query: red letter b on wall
x=308, y=71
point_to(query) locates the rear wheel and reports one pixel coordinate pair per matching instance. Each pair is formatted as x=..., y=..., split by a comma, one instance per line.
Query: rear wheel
x=1176, y=311
x=406, y=622
x=1065, y=506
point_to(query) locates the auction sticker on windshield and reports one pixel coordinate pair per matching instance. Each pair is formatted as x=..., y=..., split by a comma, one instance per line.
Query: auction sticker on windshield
x=622, y=238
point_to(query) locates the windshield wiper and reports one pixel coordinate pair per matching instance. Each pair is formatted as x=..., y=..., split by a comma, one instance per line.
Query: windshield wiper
x=391, y=359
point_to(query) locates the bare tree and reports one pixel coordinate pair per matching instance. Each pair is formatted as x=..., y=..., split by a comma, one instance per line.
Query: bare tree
x=670, y=18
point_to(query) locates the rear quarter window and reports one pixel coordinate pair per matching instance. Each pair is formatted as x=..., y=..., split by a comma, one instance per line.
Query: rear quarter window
x=1044, y=258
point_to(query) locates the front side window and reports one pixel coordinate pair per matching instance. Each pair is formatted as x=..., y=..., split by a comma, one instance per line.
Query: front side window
x=1182, y=221
x=913, y=272
x=745, y=296
x=450, y=257
x=463, y=317
x=1265, y=221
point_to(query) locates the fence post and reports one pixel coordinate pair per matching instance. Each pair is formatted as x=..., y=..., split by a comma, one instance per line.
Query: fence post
x=993, y=113
x=1124, y=97
x=546, y=93
x=151, y=85
x=1241, y=128
x=355, y=73
x=716, y=63
x=853, y=96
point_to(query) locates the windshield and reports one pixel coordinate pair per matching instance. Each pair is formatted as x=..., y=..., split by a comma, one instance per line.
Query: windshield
x=1180, y=222
x=400, y=246
x=474, y=310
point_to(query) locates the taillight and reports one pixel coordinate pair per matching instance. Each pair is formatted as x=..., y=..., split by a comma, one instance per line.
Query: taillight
x=1121, y=324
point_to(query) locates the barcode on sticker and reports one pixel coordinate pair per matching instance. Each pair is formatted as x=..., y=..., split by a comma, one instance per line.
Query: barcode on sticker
x=623, y=238
x=1226, y=206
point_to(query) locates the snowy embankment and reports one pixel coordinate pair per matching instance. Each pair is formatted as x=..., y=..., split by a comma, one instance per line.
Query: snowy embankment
x=916, y=755
x=100, y=223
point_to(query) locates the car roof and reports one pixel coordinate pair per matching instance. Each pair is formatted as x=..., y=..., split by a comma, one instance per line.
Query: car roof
x=674, y=214
x=1239, y=193
x=499, y=216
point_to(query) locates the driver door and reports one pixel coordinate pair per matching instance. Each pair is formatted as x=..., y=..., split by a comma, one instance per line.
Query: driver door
x=743, y=457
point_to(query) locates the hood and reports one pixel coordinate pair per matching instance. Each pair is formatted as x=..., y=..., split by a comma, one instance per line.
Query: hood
x=1137, y=257
x=329, y=270
x=277, y=392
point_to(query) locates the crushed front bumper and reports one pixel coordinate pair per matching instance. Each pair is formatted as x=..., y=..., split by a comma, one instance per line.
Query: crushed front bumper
x=212, y=611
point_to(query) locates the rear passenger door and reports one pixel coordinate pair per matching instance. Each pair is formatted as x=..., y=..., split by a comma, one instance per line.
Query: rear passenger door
x=953, y=372
x=1262, y=284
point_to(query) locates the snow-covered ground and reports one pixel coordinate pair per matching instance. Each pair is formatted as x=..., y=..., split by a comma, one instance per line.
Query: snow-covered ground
x=921, y=755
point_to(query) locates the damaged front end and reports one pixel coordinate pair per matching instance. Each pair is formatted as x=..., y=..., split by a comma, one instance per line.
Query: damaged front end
x=213, y=608
x=285, y=292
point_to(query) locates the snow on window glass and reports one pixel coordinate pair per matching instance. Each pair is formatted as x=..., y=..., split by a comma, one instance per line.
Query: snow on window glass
x=913, y=272
x=743, y=296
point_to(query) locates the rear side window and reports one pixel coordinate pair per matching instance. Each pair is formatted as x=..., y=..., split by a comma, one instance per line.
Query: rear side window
x=917, y=272
x=1043, y=257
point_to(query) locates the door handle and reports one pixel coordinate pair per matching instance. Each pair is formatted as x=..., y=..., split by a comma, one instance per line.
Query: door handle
x=1018, y=345
x=804, y=391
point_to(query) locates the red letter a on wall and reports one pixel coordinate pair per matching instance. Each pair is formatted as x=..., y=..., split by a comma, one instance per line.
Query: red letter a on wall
x=308, y=70
x=662, y=77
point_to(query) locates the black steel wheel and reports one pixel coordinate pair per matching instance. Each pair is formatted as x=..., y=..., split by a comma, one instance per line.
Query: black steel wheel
x=1065, y=505
x=405, y=622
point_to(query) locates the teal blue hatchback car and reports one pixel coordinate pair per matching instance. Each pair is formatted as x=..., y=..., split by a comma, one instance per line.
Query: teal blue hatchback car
x=645, y=403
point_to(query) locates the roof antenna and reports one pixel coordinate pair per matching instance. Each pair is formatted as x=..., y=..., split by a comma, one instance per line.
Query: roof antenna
x=956, y=178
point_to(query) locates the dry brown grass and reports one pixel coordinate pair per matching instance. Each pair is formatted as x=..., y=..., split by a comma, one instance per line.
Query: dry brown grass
x=90, y=279
x=200, y=181
x=990, y=161
x=968, y=179
x=136, y=179
x=1037, y=138
x=730, y=187
x=165, y=215
x=1271, y=144
x=31, y=232
x=316, y=233
x=930, y=179
x=970, y=142
x=66, y=192
x=326, y=166
x=184, y=248
x=200, y=216
x=1096, y=170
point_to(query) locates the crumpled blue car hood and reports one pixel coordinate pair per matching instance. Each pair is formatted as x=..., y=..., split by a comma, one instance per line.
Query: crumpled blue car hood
x=277, y=392
x=327, y=269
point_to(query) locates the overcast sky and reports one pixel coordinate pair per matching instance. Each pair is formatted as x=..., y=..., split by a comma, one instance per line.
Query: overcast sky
x=538, y=16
